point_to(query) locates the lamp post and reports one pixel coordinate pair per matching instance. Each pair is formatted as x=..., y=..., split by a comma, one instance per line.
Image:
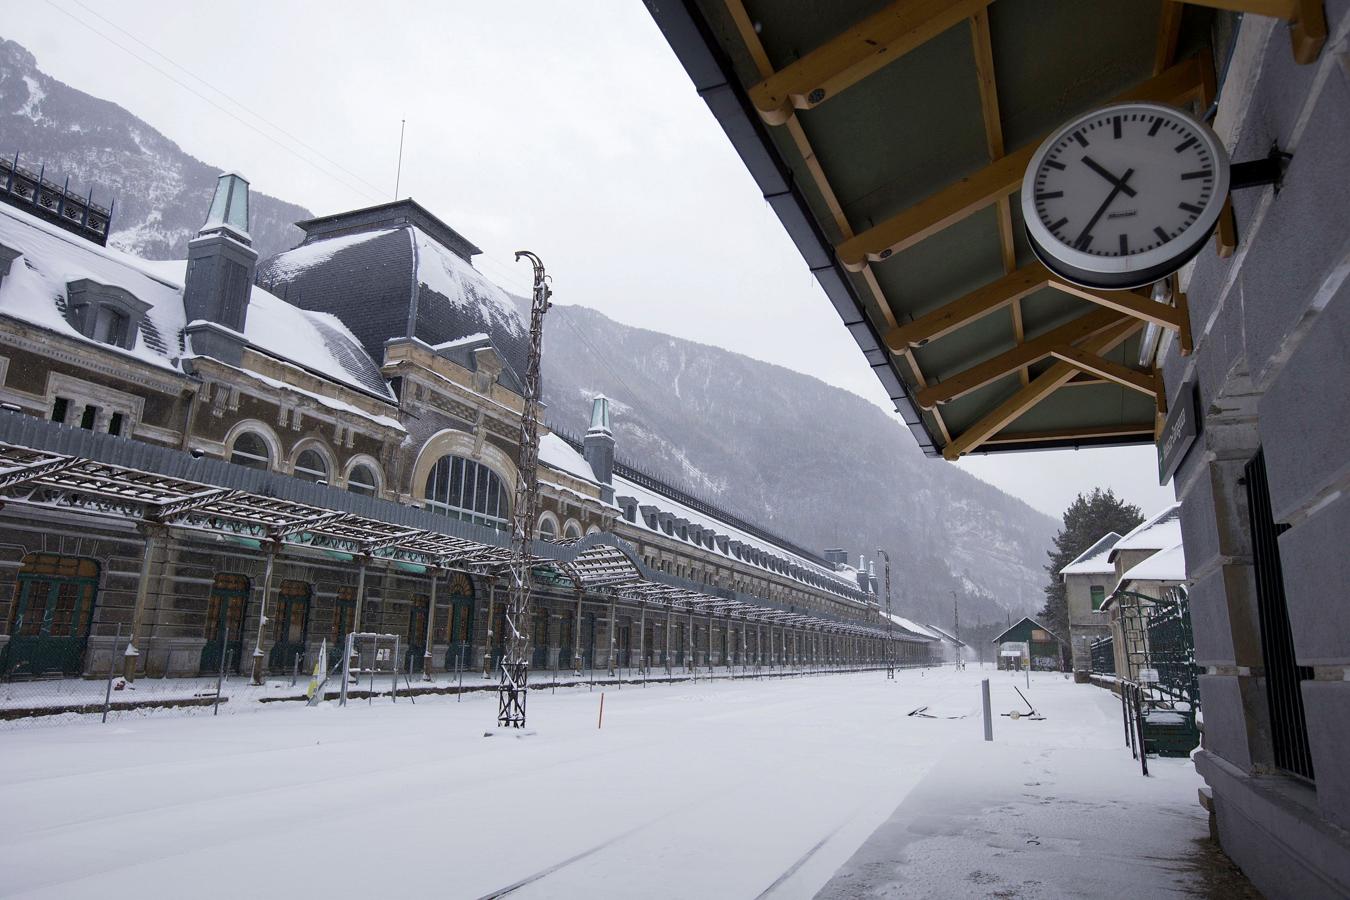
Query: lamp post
x=890, y=645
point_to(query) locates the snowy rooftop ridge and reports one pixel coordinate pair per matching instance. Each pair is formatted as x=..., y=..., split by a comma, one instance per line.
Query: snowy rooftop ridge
x=1158, y=532
x=35, y=291
x=1165, y=565
x=1095, y=560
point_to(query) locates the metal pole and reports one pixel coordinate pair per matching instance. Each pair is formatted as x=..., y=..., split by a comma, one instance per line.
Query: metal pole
x=988, y=714
x=512, y=689
x=112, y=671
x=393, y=692
x=346, y=668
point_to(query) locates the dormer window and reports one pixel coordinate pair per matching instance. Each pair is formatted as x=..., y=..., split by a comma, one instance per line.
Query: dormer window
x=107, y=314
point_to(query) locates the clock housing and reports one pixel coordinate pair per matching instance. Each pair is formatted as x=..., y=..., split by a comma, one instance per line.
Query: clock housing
x=1124, y=195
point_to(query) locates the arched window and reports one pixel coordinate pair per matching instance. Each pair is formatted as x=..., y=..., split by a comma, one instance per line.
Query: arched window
x=362, y=480
x=251, y=450
x=547, y=530
x=310, y=465
x=572, y=531
x=466, y=490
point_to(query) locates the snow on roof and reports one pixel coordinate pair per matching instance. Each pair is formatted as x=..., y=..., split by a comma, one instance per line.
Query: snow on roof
x=459, y=342
x=558, y=454
x=1095, y=560
x=910, y=625
x=1161, y=531
x=1165, y=565
x=447, y=273
x=624, y=487
x=35, y=292
x=306, y=256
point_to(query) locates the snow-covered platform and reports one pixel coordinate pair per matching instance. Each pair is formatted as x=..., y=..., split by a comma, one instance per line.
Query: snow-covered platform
x=722, y=789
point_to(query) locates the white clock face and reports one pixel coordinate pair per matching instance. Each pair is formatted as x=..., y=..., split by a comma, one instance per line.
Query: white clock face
x=1124, y=195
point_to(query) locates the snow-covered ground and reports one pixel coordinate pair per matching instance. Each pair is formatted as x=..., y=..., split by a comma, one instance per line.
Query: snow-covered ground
x=722, y=789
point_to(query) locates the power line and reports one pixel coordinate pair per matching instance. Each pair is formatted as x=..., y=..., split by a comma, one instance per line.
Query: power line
x=190, y=89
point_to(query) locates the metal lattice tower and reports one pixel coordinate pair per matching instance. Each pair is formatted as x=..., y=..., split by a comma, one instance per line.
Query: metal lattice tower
x=890, y=645
x=515, y=671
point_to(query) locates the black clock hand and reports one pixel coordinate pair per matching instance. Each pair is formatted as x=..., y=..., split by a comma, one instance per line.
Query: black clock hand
x=1120, y=186
x=1100, y=170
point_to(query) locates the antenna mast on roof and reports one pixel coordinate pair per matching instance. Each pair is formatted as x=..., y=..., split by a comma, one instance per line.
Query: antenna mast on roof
x=398, y=175
x=516, y=662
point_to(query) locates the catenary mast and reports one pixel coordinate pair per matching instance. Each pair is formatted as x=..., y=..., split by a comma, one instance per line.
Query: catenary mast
x=515, y=671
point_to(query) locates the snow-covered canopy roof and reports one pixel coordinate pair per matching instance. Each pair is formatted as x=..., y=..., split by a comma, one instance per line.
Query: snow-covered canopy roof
x=774, y=557
x=1095, y=560
x=35, y=291
x=1166, y=565
x=1158, y=532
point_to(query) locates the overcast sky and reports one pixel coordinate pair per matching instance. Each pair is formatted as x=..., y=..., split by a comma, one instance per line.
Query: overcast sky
x=567, y=128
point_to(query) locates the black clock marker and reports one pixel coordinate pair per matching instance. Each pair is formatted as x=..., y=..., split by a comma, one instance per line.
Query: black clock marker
x=1115, y=127
x=1054, y=165
x=1162, y=235
x=1157, y=123
x=1202, y=173
x=1184, y=144
x=1190, y=208
x=1055, y=226
x=1084, y=241
x=1124, y=246
x=1078, y=136
x=1049, y=195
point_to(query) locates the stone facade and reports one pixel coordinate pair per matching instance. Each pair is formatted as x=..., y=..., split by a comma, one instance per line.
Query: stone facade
x=1270, y=363
x=377, y=426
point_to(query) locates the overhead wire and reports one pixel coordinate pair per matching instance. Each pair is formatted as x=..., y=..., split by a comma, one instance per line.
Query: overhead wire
x=190, y=89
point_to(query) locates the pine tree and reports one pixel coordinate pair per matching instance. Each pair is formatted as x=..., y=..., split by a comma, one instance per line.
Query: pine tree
x=1088, y=518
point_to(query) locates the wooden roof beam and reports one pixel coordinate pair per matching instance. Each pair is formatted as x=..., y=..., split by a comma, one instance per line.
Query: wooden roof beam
x=1040, y=387
x=1184, y=81
x=1128, y=302
x=1143, y=382
x=1024, y=354
x=848, y=58
x=1102, y=431
x=974, y=305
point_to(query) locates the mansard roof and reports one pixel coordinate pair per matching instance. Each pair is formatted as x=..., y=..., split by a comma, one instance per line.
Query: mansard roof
x=396, y=271
x=35, y=291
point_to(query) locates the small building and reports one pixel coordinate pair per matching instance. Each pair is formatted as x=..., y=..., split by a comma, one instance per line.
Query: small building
x=1147, y=563
x=1087, y=583
x=1035, y=645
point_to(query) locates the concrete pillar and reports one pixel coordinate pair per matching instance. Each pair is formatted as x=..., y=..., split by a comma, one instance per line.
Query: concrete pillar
x=262, y=611
x=156, y=539
x=487, y=632
x=431, y=624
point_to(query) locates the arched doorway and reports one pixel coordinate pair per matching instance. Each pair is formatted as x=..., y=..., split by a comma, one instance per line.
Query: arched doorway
x=460, y=637
x=53, y=607
x=224, y=629
x=290, y=624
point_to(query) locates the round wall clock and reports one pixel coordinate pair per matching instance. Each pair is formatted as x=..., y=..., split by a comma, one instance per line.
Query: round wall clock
x=1124, y=195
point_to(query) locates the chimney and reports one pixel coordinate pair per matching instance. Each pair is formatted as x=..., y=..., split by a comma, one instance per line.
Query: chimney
x=598, y=447
x=864, y=582
x=221, y=263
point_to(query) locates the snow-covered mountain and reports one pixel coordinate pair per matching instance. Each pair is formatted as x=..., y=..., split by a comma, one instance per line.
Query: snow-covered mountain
x=813, y=463
x=161, y=193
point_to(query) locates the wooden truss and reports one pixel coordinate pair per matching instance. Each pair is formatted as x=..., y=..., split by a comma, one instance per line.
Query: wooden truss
x=1078, y=346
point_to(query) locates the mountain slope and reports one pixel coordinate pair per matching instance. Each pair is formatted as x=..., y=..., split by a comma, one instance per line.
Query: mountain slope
x=811, y=462
x=161, y=192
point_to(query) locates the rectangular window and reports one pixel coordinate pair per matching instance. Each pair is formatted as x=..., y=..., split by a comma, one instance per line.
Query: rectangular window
x=88, y=417
x=115, y=424
x=60, y=408
x=1098, y=596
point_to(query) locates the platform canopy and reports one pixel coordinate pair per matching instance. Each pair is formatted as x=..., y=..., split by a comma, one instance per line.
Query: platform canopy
x=79, y=472
x=891, y=139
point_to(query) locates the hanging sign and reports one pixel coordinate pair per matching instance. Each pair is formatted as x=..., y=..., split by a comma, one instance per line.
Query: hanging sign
x=1179, y=432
